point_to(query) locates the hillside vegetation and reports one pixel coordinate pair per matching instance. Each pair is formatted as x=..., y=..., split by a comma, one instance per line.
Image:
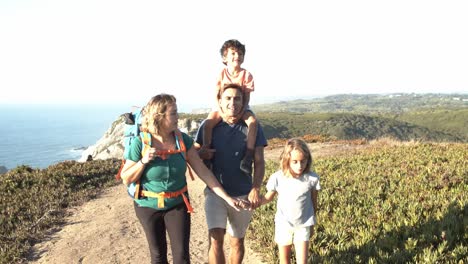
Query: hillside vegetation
x=451, y=121
x=368, y=103
x=422, y=117
x=434, y=117
x=33, y=200
x=348, y=126
x=394, y=203
x=438, y=125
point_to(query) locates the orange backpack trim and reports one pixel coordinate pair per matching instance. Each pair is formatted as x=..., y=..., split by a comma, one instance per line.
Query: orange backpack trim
x=161, y=195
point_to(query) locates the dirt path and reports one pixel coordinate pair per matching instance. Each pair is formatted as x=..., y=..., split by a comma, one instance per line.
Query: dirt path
x=106, y=230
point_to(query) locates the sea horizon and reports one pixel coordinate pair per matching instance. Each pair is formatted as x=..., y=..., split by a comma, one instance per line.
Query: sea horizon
x=40, y=135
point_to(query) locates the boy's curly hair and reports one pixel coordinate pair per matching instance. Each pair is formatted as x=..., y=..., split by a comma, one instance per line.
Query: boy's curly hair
x=234, y=44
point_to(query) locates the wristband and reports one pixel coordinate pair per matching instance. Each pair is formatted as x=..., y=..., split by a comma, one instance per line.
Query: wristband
x=141, y=161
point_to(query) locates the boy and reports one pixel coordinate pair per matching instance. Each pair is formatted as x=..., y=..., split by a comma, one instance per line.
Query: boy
x=233, y=53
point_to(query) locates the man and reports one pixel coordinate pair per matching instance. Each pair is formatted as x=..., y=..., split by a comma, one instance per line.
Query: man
x=228, y=149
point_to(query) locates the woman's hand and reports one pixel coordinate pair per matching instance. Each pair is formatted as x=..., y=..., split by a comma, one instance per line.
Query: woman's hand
x=237, y=203
x=149, y=155
x=244, y=204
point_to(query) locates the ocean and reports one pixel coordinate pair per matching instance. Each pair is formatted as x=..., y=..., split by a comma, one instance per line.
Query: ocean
x=39, y=136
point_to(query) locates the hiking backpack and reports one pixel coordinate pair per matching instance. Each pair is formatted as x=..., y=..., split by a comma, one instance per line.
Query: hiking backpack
x=132, y=129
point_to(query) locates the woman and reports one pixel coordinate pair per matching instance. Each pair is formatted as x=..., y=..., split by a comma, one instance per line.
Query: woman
x=162, y=174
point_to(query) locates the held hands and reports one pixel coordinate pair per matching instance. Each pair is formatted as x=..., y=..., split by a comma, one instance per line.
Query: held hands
x=254, y=201
x=238, y=203
x=244, y=204
x=254, y=198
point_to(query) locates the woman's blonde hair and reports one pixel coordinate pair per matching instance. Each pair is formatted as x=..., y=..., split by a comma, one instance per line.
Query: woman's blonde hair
x=154, y=112
x=285, y=158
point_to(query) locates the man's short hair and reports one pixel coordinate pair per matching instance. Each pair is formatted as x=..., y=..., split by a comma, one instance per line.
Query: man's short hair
x=230, y=86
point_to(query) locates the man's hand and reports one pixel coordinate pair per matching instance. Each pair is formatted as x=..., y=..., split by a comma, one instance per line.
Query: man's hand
x=254, y=198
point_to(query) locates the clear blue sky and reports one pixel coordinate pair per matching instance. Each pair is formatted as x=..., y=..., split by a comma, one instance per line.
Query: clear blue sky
x=89, y=51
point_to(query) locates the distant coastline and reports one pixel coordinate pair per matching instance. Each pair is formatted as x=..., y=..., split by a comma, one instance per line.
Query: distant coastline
x=42, y=135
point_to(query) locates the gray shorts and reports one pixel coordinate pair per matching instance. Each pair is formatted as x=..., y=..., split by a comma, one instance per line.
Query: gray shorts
x=220, y=214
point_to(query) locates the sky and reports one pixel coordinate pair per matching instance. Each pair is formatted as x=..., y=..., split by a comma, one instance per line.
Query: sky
x=124, y=52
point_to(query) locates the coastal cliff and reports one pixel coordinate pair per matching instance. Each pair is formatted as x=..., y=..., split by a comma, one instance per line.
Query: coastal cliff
x=110, y=145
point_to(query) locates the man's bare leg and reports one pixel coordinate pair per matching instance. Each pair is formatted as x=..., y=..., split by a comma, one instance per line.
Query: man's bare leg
x=236, y=255
x=216, y=242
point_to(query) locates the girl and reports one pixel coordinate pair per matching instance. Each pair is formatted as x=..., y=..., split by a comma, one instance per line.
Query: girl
x=297, y=187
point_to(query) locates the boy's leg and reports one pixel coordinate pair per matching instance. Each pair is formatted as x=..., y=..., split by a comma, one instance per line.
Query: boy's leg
x=211, y=121
x=251, y=121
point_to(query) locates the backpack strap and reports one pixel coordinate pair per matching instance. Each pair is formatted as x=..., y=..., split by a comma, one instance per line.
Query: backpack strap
x=145, y=141
x=145, y=146
x=181, y=146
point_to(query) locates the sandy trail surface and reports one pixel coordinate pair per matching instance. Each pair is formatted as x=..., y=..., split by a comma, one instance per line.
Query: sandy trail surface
x=106, y=230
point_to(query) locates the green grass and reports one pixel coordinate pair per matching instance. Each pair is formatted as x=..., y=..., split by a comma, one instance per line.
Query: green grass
x=32, y=200
x=400, y=204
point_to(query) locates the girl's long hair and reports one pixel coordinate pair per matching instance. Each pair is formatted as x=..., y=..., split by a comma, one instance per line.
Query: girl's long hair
x=294, y=144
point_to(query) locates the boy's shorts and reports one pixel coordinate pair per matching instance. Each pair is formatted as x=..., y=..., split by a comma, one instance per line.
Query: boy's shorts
x=219, y=214
x=286, y=234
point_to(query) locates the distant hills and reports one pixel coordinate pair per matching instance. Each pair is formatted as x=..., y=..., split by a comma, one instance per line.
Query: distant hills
x=421, y=117
x=349, y=126
x=433, y=117
x=368, y=103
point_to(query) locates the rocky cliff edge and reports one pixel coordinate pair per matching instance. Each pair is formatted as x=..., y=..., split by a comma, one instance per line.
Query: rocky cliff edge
x=110, y=145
